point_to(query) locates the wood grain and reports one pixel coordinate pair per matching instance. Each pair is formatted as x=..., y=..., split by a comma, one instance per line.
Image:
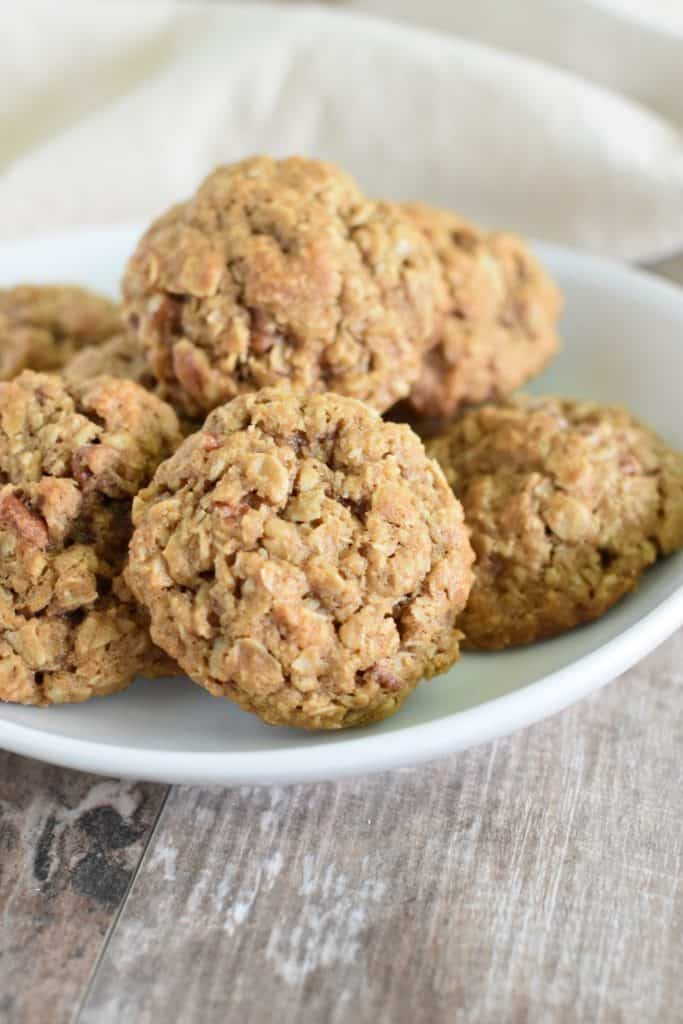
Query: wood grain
x=536, y=879
x=69, y=844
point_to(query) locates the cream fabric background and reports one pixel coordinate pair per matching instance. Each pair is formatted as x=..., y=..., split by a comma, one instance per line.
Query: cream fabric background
x=111, y=110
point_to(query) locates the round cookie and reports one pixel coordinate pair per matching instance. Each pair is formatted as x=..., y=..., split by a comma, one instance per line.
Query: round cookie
x=71, y=461
x=303, y=558
x=281, y=273
x=42, y=326
x=567, y=503
x=500, y=319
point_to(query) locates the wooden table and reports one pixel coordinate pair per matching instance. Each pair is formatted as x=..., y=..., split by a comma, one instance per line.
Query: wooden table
x=535, y=879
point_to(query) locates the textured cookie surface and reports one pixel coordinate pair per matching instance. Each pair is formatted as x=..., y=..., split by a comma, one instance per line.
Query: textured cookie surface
x=121, y=356
x=303, y=558
x=567, y=502
x=42, y=326
x=281, y=273
x=501, y=312
x=70, y=463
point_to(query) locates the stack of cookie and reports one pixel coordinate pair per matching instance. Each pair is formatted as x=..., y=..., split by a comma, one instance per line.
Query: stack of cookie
x=205, y=477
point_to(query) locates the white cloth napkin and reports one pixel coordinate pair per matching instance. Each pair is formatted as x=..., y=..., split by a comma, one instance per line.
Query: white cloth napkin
x=569, y=128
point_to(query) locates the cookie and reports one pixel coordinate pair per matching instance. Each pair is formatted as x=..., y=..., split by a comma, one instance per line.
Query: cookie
x=281, y=273
x=303, y=558
x=42, y=326
x=71, y=461
x=567, y=502
x=500, y=318
x=121, y=356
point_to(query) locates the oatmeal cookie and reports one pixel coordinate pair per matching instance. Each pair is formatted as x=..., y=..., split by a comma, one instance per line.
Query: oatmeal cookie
x=303, y=558
x=501, y=313
x=281, y=273
x=71, y=461
x=122, y=356
x=567, y=502
x=42, y=326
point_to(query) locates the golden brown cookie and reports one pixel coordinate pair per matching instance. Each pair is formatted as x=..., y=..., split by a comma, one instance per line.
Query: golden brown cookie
x=121, y=356
x=567, y=502
x=42, y=326
x=71, y=461
x=501, y=313
x=303, y=558
x=281, y=273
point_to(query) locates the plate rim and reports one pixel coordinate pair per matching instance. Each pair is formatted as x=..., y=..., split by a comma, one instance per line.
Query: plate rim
x=362, y=753
x=483, y=723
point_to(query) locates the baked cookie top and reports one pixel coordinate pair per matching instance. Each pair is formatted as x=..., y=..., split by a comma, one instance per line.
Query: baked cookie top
x=71, y=461
x=281, y=273
x=304, y=558
x=567, y=503
x=42, y=326
x=500, y=319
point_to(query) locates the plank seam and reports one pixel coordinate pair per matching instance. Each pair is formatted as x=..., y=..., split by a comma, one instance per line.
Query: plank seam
x=113, y=925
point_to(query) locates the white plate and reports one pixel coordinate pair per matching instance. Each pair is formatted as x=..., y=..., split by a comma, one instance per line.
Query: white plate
x=623, y=338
